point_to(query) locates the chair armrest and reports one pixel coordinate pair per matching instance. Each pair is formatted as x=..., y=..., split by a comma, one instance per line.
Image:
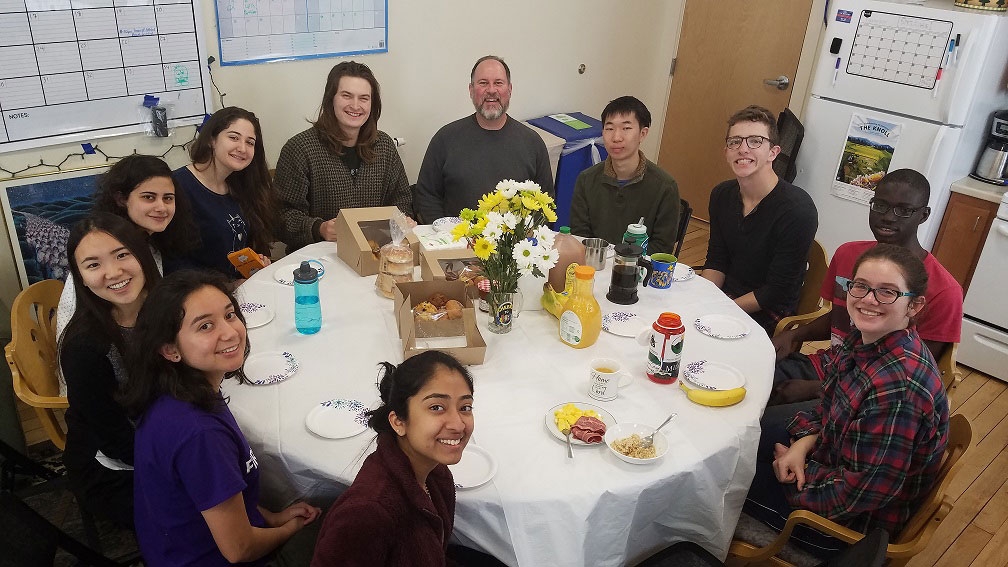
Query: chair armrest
x=31, y=398
x=795, y=321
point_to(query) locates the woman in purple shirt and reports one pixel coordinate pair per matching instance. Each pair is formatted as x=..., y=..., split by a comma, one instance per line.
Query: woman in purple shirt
x=196, y=488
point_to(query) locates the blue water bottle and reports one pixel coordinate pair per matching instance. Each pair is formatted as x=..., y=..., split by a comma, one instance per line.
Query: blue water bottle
x=307, y=309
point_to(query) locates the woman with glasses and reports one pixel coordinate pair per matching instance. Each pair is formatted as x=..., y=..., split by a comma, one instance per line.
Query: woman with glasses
x=866, y=454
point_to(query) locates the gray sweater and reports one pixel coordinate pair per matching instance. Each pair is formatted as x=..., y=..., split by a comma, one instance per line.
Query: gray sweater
x=313, y=184
x=464, y=161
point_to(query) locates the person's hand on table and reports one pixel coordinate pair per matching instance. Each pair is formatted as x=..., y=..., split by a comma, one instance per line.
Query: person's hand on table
x=265, y=260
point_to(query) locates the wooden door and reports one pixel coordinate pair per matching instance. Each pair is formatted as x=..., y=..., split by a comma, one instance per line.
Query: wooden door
x=726, y=50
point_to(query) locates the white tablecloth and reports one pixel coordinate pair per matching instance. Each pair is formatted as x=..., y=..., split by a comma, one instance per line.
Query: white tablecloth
x=541, y=508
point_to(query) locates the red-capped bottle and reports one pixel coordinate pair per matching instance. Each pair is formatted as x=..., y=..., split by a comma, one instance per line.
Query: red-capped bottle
x=665, y=349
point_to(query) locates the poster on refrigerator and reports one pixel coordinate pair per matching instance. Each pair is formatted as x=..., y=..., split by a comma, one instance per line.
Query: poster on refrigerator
x=867, y=153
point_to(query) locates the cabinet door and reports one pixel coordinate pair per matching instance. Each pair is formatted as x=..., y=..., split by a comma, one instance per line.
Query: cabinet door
x=962, y=234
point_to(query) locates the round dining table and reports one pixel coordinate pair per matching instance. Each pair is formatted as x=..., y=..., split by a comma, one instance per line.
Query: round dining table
x=540, y=507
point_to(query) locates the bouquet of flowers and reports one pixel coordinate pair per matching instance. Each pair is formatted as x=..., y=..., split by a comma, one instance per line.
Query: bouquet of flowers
x=508, y=233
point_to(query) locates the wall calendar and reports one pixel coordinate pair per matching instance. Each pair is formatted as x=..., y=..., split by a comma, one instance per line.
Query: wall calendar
x=74, y=69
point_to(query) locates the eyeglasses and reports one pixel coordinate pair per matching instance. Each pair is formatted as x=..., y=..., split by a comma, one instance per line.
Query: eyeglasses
x=881, y=207
x=883, y=295
x=754, y=141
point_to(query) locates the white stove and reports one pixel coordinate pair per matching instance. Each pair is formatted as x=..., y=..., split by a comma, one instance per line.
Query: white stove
x=984, y=342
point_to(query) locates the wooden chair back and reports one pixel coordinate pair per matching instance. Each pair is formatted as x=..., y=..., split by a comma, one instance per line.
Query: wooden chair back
x=947, y=366
x=32, y=355
x=810, y=305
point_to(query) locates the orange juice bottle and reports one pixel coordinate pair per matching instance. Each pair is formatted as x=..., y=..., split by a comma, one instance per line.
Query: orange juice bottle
x=581, y=320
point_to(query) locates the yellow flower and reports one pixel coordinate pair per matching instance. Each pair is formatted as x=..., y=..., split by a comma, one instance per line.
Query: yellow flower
x=544, y=199
x=489, y=201
x=550, y=214
x=477, y=228
x=460, y=231
x=483, y=248
x=530, y=202
x=467, y=215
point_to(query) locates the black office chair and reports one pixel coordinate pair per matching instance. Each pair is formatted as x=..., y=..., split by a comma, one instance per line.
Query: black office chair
x=790, y=133
x=685, y=212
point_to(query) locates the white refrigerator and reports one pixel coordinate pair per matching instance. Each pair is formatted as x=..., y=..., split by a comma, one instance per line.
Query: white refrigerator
x=877, y=104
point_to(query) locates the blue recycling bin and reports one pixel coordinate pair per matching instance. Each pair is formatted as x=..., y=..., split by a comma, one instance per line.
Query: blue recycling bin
x=583, y=148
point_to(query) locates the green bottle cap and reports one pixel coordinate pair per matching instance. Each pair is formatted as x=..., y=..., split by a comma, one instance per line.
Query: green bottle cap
x=564, y=230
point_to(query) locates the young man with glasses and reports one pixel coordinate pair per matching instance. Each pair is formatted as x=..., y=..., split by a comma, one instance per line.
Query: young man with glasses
x=761, y=227
x=897, y=209
x=626, y=186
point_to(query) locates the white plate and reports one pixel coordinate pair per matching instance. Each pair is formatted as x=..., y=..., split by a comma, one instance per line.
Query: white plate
x=476, y=468
x=623, y=323
x=267, y=368
x=682, y=273
x=445, y=224
x=285, y=274
x=550, y=421
x=337, y=419
x=256, y=314
x=712, y=375
x=722, y=326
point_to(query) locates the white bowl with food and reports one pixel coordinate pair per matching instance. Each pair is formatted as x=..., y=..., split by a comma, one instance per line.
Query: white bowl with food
x=621, y=440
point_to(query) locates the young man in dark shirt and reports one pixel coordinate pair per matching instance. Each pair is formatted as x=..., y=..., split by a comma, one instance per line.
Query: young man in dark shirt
x=761, y=226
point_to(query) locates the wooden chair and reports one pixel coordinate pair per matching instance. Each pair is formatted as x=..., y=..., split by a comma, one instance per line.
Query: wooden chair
x=915, y=535
x=32, y=356
x=810, y=305
x=947, y=366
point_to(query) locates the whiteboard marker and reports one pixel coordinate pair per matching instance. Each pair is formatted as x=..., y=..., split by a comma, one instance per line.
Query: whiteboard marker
x=836, y=70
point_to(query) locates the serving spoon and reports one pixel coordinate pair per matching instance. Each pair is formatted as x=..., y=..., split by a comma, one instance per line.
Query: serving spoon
x=649, y=440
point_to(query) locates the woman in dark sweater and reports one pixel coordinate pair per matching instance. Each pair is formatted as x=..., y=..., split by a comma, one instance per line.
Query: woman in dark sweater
x=113, y=270
x=400, y=509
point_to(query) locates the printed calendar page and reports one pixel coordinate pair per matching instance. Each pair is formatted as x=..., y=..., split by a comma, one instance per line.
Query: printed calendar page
x=256, y=31
x=72, y=69
x=899, y=48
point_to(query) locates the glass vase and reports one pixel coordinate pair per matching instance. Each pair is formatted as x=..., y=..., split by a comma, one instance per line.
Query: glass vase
x=504, y=308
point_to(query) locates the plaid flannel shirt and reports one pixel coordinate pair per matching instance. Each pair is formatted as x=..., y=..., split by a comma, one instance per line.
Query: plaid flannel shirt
x=882, y=426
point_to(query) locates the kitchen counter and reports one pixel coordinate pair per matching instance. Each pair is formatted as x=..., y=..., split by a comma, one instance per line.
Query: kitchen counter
x=979, y=189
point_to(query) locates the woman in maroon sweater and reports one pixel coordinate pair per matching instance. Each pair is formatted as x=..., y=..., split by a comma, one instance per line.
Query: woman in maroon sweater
x=401, y=507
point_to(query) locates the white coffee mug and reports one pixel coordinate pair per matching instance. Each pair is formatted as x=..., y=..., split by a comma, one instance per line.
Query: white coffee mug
x=606, y=378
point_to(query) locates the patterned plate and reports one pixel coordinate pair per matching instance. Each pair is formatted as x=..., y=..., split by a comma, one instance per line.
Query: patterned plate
x=722, y=326
x=682, y=273
x=623, y=323
x=267, y=368
x=445, y=224
x=337, y=419
x=713, y=375
x=256, y=314
x=285, y=274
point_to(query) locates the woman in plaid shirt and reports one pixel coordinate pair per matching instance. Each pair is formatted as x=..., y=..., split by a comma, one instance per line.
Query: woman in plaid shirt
x=866, y=454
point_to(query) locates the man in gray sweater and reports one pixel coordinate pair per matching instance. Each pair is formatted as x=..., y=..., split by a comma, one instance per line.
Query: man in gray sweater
x=626, y=186
x=468, y=157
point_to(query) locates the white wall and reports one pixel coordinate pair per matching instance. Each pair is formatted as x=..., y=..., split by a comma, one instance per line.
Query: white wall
x=626, y=47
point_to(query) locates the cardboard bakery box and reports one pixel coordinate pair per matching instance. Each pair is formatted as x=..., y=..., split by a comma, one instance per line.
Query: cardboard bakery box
x=360, y=233
x=446, y=264
x=468, y=347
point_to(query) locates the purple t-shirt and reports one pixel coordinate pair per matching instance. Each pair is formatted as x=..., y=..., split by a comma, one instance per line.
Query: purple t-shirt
x=188, y=460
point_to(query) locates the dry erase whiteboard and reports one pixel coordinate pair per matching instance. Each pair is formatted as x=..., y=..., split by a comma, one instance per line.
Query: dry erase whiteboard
x=77, y=69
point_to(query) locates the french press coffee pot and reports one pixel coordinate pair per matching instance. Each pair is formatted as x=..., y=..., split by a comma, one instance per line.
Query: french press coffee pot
x=630, y=268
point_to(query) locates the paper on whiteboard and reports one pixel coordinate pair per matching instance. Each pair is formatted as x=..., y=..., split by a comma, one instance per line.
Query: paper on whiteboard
x=866, y=157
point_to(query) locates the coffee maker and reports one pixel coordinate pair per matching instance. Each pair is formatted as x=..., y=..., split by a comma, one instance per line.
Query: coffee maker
x=992, y=166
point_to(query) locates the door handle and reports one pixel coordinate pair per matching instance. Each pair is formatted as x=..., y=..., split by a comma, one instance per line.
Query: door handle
x=781, y=82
